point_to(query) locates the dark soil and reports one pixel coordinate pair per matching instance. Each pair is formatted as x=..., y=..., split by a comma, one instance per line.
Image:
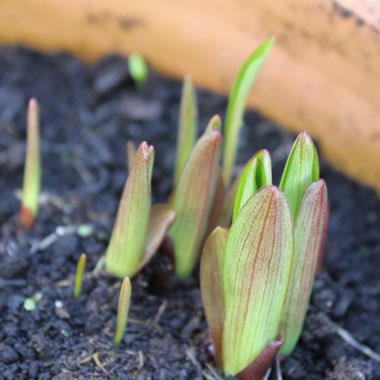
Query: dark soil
x=88, y=114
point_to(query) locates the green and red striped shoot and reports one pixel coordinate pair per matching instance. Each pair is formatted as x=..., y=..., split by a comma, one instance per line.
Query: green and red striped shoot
x=123, y=310
x=139, y=228
x=192, y=199
x=307, y=196
x=32, y=171
x=256, y=278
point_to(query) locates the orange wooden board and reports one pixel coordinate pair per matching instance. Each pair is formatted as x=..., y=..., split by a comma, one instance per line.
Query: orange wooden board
x=323, y=74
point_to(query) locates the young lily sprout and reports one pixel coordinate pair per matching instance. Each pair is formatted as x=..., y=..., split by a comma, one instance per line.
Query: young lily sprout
x=122, y=310
x=256, y=278
x=237, y=102
x=256, y=258
x=187, y=126
x=79, y=275
x=139, y=228
x=192, y=199
x=307, y=197
x=32, y=171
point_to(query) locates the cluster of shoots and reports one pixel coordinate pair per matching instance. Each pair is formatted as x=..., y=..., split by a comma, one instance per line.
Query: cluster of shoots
x=257, y=275
x=261, y=244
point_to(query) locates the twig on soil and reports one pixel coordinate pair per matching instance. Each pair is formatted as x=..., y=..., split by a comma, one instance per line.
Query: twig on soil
x=159, y=313
x=98, y=363
x=48, y=198
x=99, y=266
x=83, y=172
x=214, y=374
x=53, y=237
x=267, y=376
x=141, y=360
x=278, y=369
x=85, y=360
x=192, y=358
x=348, y=338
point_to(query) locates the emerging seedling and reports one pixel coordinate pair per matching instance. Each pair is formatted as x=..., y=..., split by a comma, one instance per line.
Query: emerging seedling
x=32, y=171
x=192, y=199
x=256, y=278
x=122, y=310
x=187, y=126
x=237, y=102
x=256, y=268
x=139, y=229
x=138, y=69
x=79, y=276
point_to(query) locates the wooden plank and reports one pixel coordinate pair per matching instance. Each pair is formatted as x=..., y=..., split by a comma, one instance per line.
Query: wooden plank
x=323, y=74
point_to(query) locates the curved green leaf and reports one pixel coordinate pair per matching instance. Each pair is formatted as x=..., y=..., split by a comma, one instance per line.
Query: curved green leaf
x=308, y=236
x=237, y=102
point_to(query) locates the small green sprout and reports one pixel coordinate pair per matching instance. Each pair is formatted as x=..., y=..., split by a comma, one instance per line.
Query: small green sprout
x=79, y=275
x=32, y=171
x=85, y=230
x=30, y=304
x=139, y=228
x=122, y=310
x=193, y=197
x=256, y=278
x=187, y=126
x=138, y=69
x=237, y=102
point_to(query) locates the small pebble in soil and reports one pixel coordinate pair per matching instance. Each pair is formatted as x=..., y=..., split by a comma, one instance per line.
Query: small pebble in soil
x=8, y=355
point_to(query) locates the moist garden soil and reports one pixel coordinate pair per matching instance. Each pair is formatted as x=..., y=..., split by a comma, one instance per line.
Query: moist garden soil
x=88, y=114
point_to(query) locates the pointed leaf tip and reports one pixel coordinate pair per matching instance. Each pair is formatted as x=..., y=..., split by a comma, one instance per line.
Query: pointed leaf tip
x=301, y=170
x=123, y=310
x=237, y=102
x=215, y=124
x=187, y=126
